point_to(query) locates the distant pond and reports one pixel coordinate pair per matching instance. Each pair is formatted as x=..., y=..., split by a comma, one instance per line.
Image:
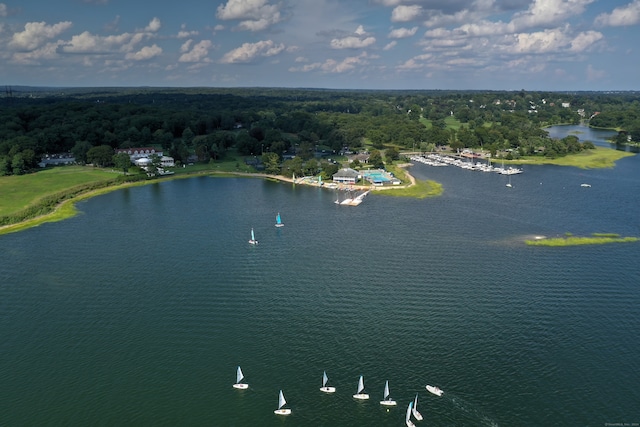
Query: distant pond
x=585, y=133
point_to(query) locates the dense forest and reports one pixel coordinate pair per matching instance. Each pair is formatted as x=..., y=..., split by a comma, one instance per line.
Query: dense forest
x=204, y=124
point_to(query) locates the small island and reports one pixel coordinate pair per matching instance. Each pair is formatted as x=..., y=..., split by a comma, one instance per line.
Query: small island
x=570, y=240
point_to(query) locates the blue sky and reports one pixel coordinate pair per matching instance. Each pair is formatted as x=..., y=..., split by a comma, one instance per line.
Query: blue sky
x=347, y=44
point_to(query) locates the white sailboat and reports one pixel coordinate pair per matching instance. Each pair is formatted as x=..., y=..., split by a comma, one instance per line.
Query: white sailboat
x=325, y=388
x=281, y=403
x=239, y=377
x=253, y=240
x=407, y=418
x=360, y=395
x=386, y=400
x=509, y=183
x=435, y=390
x=417, y=415
x=279, y=221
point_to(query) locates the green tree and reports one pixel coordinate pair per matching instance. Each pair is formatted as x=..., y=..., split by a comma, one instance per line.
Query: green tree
x=375, y=159
x=122, y=161
x=271, y=163
x=391, y=154
x=18, y=164
x=102, y=155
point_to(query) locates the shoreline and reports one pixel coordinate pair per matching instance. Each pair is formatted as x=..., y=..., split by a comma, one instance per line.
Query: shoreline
x=66, y=209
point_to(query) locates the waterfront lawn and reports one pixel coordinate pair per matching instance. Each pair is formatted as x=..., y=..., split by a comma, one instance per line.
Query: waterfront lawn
x=570, y=240
x=20, y=191
x=600, y=157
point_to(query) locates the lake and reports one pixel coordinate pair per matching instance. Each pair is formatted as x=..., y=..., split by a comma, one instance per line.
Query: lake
x=138, y=310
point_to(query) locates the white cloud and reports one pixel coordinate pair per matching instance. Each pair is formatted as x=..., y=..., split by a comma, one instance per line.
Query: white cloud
x=406, y=13
x=555, y=40
x=621, y=16
x=547, y=12
x=91, y=43
x=332, y=66
x=417, y=62
x=48, y=51
x=182, y=34
x=145, y=53
x=249, y=52
x=186, y=46
x=153, y=26
x=37, y=33
x=401, y=33
x=352, y=42
x=583, y=41
x=3, y=9
x=197, y=53
x=255, y=15
x=390, y=45
x=357, y=40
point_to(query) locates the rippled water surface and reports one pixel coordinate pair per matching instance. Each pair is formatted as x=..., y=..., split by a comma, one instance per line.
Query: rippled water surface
x=137, y=311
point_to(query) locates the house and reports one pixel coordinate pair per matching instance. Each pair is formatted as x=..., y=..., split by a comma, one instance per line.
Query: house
x=346, y=176
x=167, y=162
x=57, y=159
x=138, y=153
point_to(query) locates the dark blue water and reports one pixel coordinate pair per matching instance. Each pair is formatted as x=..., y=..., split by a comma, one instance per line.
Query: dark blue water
x=137, y=311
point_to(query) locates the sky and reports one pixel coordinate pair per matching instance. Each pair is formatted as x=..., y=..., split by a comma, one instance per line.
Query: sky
x=554, y=45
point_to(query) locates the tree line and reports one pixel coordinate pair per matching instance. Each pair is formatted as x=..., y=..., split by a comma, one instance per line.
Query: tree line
x=204, y=124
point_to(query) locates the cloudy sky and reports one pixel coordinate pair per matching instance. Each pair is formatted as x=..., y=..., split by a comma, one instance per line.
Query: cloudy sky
x=350, y=44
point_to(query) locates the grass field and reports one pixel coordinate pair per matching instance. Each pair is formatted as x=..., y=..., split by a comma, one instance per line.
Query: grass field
x=20, y=191
x=600, y=157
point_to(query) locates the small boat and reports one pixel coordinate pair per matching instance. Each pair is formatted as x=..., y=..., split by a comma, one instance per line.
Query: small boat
x=407, y=418
x=281, y=403
x=279, y=221
x=435, y=390
x=509, y=183
x=386, y=400
x=239, y=377
x=360, y=395
x=585, y=185
x=253, y=240
x=324, y=387
x=417, y=415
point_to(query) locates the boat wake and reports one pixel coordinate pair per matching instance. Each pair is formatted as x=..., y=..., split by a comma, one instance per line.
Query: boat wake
x=474, y=414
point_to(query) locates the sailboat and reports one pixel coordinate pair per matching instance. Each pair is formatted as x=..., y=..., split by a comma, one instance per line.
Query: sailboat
x=417, y=415
x=360, y=395
x=386, y=400
x=281, y=403
x=509, y=183
x=239, y=377
x=253, y=240
x=324, y=387
x=407, y=418
x=279, y=221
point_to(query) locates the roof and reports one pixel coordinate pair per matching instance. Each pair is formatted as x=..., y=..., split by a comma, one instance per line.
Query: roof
x=346, y=173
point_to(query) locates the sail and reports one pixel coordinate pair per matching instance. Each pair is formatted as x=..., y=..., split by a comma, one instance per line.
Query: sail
x=415, y=402
x=239, y=375
x=386, y=389
x=360, y=384
x=253, y=237
x=281, y=400
x=406, y=418
x=324, y=379
x=278, y=220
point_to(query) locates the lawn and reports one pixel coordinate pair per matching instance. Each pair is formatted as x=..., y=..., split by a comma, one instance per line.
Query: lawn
x=600, y=157
x=20, y=191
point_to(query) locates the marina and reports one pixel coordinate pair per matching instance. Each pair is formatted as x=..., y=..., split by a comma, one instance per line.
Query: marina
x=468, y=164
